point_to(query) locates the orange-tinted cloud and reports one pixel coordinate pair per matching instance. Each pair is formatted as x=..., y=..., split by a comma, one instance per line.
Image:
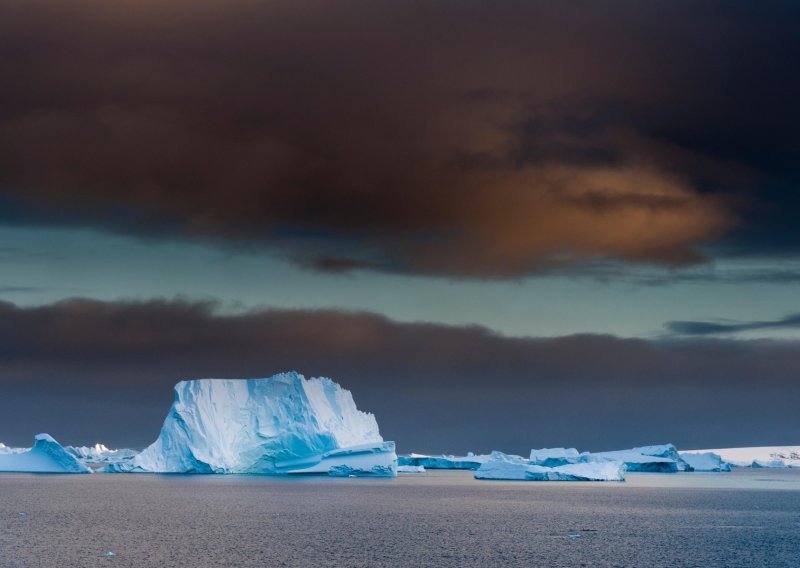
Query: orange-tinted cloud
x=461, y=139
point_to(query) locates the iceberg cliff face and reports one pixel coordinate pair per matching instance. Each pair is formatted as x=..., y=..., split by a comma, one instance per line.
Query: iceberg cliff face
x=279, y=425
x=46, y=456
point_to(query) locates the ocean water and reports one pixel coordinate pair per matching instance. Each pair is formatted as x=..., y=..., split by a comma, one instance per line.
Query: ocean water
x=745, y=518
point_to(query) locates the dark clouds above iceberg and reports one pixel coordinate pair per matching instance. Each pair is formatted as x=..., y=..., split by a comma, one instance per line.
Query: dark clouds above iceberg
x=456, y=138
x=89, y=371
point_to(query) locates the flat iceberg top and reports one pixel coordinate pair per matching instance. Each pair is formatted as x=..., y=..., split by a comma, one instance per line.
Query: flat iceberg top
x=46, y=456
x=281, y=424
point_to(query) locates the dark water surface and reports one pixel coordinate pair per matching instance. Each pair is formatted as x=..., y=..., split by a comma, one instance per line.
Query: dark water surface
x=745, y=518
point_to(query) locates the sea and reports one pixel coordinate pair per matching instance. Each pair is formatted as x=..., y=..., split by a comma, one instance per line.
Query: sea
x=749, y=517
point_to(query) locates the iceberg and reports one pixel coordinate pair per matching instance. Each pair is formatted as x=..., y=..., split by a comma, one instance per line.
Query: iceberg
x=99, y=453
x=470, y=461
x=46, y=456
x=659, y=459
x=285, y=424
x=515, y=468
x=760, y=456
x=410, y=469
x=705, y=461
x=550, y=457
x=772, y=464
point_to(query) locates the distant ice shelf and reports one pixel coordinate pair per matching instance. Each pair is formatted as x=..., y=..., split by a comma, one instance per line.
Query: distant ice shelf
x=46, y=456
x=285, y=424
x=759, y=456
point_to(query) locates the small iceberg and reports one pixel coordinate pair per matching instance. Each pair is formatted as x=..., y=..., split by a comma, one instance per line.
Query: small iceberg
x=550, y=457
x=501, y=466
x=705, y=461
x=410, y=469
x=442, y=461
x=654, y=459
x=46, y=456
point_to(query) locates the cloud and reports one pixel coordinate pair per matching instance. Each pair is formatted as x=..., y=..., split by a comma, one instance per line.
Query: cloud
x=87, y=371
x=791, y=321
x=462, y=139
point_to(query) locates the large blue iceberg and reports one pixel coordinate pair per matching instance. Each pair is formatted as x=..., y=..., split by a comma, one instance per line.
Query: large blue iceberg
x=285, y=424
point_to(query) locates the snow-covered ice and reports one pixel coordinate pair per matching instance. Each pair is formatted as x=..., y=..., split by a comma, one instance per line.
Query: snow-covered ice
x=507, y=467
x=46, y=456
x=285, y=424
x=760, y=456
x=443, y=461
x=705, y=461
x=99, y=453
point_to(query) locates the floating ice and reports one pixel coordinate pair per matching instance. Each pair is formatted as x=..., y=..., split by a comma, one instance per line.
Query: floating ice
x=551, y=457
x=705, y=461
x=284, y=424
x=507, y=467
x=46, y=456
x=662, y=458
x=763, y=456
x=470, y=461
x=410, y=469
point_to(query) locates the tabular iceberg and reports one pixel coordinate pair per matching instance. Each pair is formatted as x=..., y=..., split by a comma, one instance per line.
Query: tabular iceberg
x=470, y=461
x=660, y=459
x=516, y=468
x=705, y=461
x=46, y=456
x=551, y=457
x=284, y=424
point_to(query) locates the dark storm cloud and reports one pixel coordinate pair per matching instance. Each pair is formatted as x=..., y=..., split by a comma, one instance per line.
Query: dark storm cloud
x=791, y=321
x=87, y=371
x=458, y=138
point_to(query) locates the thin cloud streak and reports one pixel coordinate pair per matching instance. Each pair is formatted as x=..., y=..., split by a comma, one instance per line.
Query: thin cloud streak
x=791, y=321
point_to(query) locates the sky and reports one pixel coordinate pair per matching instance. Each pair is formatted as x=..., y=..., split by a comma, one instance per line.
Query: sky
x=502, y=225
